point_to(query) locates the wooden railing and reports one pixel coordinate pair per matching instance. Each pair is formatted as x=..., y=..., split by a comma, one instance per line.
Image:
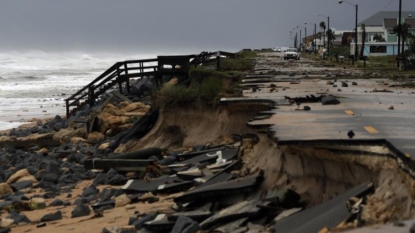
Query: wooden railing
x=121, y=72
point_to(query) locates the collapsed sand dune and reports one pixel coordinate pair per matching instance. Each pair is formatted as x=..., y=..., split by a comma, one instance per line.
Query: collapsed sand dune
x=192, y=125
x=317, y=174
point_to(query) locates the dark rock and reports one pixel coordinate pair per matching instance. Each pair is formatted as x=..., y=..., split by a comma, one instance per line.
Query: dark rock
x=105, y=207
x=69, y=195
x=350, y=134
x=100, y=179
x=89, y=175
x=32, y=169
x=117, y=180
x=111, y=173
x=39, y=175
x=22, y=185
x=139, y=223
x=107, y=193
x=80, y=176
x=52, y=217
x=66, y=203
x=293, y=74
x=334, y=85
x=105, y=230
x=344, y=84
x=354, y=83
x=50, y=195
x=46, y=185
x=43, y=224
x=56, y=202
x=152, y=200
x=15, y=197
x=18, y=218
x=80, y=211
x=185, y=225
x=74, y=158
x=90, y=191
x=77, y=168
x=5, y=230
x=50, y=177
x=306, y=108
x=80, y=201
x=53, y=167
x=329, y=100
x=4, y=204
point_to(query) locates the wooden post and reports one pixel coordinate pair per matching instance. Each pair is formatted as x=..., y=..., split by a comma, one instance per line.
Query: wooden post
x=91, y=97
x=119, y=81
x=127, y=78
x=67, y=108
x=218, y=61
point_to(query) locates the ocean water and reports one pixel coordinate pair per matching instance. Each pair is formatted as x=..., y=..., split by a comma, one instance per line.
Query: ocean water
x=35, y=84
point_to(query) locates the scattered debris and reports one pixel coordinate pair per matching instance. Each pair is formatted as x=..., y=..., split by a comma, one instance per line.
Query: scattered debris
x=383, y=90
x=329, y=100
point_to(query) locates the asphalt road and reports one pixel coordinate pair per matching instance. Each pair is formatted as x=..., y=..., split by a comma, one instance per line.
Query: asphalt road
x=361, y=109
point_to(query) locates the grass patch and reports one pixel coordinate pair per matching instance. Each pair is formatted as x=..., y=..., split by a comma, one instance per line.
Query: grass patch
x=207, y=90
x=206, y=85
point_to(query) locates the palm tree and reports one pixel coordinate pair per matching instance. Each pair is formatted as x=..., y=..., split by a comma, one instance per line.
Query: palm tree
x=405, y=33
x=323, y=27
x=363, y=39
x=330, y=37
x=378, y=38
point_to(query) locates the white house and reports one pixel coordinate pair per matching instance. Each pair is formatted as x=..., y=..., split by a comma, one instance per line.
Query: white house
x=382, y=23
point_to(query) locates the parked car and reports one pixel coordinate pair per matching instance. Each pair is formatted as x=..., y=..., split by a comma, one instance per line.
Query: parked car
x=277, y=49
x=292, y=53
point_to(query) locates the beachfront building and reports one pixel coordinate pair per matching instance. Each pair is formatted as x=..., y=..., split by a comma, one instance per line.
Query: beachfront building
x=382, y=23
x=342, y=37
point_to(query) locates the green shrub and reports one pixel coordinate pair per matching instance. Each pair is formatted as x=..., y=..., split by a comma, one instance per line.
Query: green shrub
x=132, y=119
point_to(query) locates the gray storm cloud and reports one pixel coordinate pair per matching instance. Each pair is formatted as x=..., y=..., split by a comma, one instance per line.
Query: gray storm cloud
x=168, y=25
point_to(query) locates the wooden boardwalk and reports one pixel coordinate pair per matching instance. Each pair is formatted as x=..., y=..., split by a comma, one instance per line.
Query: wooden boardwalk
x=121, y=73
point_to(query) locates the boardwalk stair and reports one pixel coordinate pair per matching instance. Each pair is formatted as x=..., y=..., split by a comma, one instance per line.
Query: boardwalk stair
x=121, y=73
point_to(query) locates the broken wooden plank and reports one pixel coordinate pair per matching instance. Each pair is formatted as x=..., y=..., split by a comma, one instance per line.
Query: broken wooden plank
x=240, y=210
x=216, y=190
x=328, y=214
x=166, y=184
x=117, y=164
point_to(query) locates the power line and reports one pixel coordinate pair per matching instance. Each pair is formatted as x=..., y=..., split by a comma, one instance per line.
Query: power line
x=388, y=4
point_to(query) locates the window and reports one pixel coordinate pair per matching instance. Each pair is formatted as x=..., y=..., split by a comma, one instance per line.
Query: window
x=377, y=49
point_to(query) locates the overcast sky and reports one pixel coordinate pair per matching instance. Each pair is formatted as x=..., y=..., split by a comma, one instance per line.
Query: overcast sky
x=169, y=25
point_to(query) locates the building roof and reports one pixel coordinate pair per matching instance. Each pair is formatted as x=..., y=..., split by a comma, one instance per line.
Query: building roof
x=410, y=21
x=390, y=23
x=377, y=19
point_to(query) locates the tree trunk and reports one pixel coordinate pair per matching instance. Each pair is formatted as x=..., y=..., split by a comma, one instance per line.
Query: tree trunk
x=363, y=44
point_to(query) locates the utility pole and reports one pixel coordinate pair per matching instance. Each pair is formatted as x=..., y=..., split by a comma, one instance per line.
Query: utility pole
x=328, y=39
x=315, y=39
x=315, y=36
x=355, y=29
x=399, y=32
x=355, y=47
x=328, y=28
x=300, y=39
